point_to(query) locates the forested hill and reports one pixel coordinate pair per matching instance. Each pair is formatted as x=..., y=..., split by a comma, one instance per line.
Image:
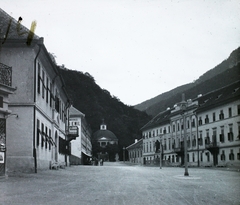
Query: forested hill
x=97, y=104
x=223, y=74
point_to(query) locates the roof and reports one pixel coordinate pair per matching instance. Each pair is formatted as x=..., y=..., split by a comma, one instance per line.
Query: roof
x=219, y=97
x=137, y=144
x=12, y=32
x=211, y=99
x=74, y=112
x=160, y=119
x=106, y=134
x=13, y=29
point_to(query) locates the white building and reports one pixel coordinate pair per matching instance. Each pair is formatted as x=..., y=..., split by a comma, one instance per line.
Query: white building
x=212, y=131
x=135, y=152
x=37, y=137
x=81, y=146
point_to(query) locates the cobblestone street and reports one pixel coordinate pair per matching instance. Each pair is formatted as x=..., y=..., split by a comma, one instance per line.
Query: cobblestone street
x=118, y=183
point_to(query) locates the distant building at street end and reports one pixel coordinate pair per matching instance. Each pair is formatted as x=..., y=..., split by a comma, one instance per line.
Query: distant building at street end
x=212, y=131
x=104, y=136
x=103, y=139
x=135, y=151
x=81, y=147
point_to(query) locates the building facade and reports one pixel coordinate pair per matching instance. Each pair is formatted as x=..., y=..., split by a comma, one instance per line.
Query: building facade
x=135, y=151
x=210, y=124
x=81, y=147
x=37, y=139
x=6, y=89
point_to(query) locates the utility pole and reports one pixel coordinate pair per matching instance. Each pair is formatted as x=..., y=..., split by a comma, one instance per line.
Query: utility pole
x=160, y=154
x=183, y=108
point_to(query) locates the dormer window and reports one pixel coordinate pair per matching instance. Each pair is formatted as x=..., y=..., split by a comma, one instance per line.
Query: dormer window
x=218, y=96
x=235, y=90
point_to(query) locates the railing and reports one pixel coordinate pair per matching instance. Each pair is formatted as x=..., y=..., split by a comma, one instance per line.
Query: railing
x=212, y=145
x=5, y=75
x=178, y=149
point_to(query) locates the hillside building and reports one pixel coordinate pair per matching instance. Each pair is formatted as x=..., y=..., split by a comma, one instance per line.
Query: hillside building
x=212, y=131
x=81, y=146
x=37, y=138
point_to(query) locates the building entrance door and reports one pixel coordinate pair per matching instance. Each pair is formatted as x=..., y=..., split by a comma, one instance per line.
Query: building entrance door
x=56, y=147
x=2, y=146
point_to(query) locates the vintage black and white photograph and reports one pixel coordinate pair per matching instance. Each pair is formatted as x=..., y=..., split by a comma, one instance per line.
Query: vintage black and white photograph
x=120, y=102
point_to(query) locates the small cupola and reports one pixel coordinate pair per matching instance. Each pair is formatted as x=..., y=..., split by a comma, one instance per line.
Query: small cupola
x=103, y=126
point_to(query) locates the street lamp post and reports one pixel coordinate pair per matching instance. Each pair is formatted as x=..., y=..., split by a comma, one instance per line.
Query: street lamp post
x=124, y=154
x=183, y=108
x=160, y=154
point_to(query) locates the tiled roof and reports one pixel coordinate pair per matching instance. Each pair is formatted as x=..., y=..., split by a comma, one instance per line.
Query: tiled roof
x=74, y=112
x=10, y=28
x=218, y=97
x=160, y=119
x=137, y=144
x=212, y=99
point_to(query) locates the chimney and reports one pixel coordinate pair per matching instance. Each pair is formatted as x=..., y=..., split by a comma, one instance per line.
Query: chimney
x=136, y=140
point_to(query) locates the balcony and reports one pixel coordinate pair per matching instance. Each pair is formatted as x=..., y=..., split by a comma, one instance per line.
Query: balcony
x=212, y=147
x=5, y=75
x=179, y=150
x=72, y=133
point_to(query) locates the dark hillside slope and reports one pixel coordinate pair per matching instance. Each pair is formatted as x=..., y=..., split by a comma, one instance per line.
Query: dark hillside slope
x=97, y=104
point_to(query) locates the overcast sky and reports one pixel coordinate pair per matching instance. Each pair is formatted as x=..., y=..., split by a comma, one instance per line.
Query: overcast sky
x=135, y=49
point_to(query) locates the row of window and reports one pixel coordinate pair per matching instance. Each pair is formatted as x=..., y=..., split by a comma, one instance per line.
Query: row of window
x=133, y=154
x=45, y=88
x=175, y=158
x=220, y=116
x=178, y=126
x=44, y=136
x=172, y=143
x=208, y=140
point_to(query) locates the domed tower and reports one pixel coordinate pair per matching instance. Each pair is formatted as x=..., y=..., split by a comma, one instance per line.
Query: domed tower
x=106, y=143
x=104, y=136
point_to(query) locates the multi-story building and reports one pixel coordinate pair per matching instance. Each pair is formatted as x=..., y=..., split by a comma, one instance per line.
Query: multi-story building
x=86, y=142
x=81, y=147
x=37, y=138
x=135, y=152
x=6, y=89
x=210, y=124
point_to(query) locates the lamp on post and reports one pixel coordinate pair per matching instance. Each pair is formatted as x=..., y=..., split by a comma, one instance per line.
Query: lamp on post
x=183, y=108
